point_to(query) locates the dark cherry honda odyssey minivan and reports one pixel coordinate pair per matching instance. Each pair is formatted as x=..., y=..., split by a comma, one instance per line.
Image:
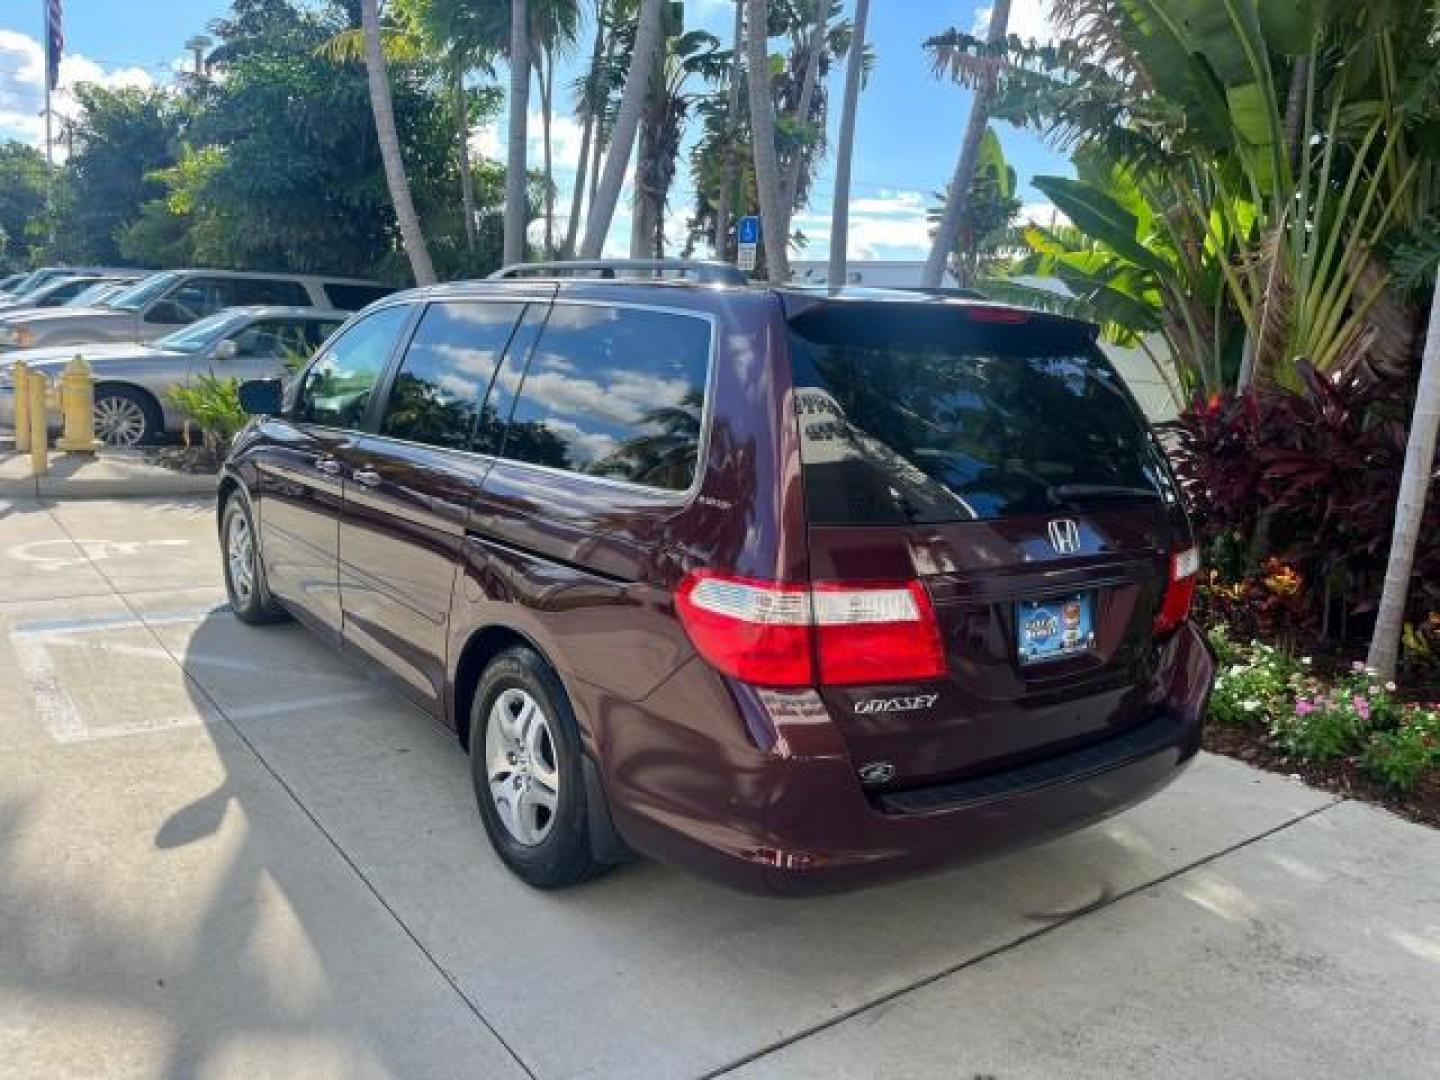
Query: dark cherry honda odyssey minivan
x=798, y=589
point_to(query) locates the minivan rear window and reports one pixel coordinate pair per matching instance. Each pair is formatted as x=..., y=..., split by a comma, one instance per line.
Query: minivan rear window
x=913, y=430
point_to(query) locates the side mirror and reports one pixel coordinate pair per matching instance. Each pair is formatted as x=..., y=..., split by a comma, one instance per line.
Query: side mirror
x=226, y=350
x=261, y=397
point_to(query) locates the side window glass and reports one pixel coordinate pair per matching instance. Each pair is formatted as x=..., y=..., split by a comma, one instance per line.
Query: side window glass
x=490, y=431
x=264, y=291
x=336, y=390
x=446, y=372
x=614, y=392
x=185, y=303
x=276, y=338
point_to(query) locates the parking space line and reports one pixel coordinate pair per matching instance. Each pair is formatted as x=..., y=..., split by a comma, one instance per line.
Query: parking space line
x=53, y=706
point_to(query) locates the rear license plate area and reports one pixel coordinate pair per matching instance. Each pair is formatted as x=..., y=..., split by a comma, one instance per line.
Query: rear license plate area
x=1056, y=628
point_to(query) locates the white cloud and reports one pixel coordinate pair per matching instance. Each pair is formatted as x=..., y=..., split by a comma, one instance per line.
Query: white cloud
x=1044, y=214
x=890, y=225
x=1029, y=19
x=22, y=86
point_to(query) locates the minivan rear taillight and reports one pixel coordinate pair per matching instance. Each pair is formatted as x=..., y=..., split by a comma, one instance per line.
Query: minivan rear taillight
x=773, y=634
x=1179, y=590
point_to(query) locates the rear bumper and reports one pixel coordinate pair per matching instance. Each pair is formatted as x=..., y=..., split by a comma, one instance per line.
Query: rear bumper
x=796, y=823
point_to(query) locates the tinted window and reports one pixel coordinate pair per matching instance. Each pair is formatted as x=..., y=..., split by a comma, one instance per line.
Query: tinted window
x=247, y=291
x=614, y=392
x=336, y=390
x=929, y=431
x=353, y=297
x=446, y=371
x=293, y=340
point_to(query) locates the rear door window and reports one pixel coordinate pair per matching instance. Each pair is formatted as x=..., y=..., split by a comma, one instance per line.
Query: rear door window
x=614, y=392
x=437, y=394
x=262, y=291
x=351, y=297
x=900, y=428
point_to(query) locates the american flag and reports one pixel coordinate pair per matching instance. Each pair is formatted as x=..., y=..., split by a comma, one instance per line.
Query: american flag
x=54, y=41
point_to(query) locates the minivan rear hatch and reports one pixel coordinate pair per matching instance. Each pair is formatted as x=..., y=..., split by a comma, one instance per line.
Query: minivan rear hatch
x=996, y=456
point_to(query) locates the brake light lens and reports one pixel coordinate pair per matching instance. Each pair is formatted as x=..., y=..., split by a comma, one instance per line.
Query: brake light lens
x=774, y=634
x=1179, y=590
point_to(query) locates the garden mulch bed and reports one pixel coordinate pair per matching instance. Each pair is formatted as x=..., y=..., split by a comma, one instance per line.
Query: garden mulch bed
x=1342, y=777
x=195, y=460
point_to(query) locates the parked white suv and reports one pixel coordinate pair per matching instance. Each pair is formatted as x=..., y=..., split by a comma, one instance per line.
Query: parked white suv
x=164, y=302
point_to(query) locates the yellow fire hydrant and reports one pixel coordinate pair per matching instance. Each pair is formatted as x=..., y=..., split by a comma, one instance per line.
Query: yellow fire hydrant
x=39, y=424
x=77, y=404
x=21, y=386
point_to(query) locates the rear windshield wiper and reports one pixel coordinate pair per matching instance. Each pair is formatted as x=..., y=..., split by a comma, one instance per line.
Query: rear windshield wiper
x=1063, y=492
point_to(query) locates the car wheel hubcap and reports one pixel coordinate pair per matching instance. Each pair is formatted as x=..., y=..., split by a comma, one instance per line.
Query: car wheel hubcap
x=119, y=421
x=240, y=557
x=520, y=766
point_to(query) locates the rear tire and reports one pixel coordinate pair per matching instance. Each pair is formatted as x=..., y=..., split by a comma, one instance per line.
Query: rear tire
x=245, y=583
x=525, y=758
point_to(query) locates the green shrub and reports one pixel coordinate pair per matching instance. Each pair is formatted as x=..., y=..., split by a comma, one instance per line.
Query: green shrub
x=1403, y=756
x=1329, y=722
x=1254, y=685
x=214, y=404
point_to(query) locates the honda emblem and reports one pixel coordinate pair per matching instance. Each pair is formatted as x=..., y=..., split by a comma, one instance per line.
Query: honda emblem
x=1064, y=536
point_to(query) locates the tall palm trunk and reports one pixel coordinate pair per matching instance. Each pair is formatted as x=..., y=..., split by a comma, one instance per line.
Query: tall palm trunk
x=840, y=216
x=957, y=205
x=732, y=111
x=517, y=204
x=462, y=143
x=773, y=218
x=1410, y=507
x=598, y=55
x=648, y=41
x=384, y=110
x=547, y=87
x=808, y=83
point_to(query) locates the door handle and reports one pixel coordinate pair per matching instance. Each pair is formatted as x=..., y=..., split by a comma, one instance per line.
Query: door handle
x=328, y=465
x=368, y=477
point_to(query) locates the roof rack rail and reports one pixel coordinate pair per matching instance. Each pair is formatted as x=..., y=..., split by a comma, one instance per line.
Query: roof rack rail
x=958, y=292
x=715, y=273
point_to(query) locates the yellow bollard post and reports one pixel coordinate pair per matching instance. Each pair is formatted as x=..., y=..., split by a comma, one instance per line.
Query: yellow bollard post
x=21, y=387
x=39, y=425
x=77, y=403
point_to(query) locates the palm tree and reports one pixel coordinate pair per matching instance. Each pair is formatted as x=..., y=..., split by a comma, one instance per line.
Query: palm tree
x=1410, y=507
x=554, y=26
x=840, y=215
x=395, y=179
x=589, y=106
x=648, y=43
x=732, y=109
x=515, y=165
x=768, y=180
x=662, y=128
x=813, y=56
x=957, y=206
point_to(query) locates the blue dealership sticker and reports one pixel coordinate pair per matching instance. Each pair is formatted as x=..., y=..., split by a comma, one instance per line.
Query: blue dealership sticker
x=1049, y=629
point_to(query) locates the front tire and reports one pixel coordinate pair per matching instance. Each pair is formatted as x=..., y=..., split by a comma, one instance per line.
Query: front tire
x=125, y=417
x=525, y=756
x=245, y=583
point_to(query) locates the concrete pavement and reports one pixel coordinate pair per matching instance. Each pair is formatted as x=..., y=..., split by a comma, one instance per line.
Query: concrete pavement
x=227, y=851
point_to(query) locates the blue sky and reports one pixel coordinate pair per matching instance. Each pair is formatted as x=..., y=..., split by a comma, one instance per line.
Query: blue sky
x=908, y=132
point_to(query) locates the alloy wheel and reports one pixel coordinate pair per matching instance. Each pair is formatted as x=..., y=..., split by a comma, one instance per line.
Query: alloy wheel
x=521, y=767
x=119, y=421
x=240, y=557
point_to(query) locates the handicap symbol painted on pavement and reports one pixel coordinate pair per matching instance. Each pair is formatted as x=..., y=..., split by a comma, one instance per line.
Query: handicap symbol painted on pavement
x=59, y=554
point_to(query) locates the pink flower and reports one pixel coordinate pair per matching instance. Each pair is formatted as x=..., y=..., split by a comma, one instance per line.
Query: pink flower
x=1362, y=706
x=1304, y=707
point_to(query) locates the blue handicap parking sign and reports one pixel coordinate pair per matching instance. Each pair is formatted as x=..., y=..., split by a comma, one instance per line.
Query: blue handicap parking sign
x=747, y=230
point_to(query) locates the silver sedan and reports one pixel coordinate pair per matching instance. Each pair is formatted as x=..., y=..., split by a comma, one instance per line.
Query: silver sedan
x=133, y=382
